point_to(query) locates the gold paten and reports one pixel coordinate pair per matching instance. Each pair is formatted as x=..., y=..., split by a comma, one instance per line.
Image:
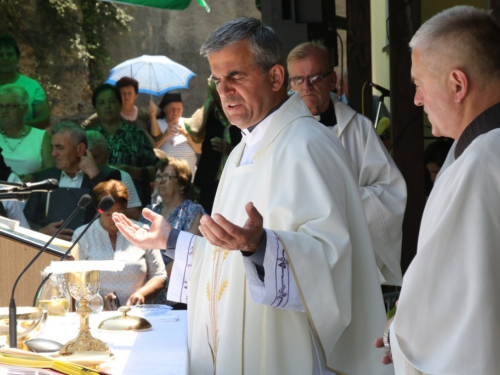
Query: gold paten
x=125, y=323
x=83, y=286
x=30, y=322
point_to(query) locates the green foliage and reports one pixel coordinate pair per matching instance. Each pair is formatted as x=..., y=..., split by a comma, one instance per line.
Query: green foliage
x=101, y=20
x=62, y=30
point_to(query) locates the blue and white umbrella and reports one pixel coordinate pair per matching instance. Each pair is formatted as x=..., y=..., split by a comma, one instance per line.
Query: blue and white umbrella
x=156, y=74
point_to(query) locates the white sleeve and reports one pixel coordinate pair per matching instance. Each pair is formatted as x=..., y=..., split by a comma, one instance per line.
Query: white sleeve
x=133, y=198
x=278, y=288
x=15, y=178
x=183, y=261
x=156, y=267
x=383, y=193
x=14, y=211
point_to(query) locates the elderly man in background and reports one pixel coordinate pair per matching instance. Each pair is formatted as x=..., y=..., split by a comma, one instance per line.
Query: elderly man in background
x=98, y=147
x=380, y=183
x=447, y=318
x=77, y=173
x=284, y=280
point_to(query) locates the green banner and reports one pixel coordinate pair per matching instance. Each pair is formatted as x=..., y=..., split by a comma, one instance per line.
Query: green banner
x=163, y=4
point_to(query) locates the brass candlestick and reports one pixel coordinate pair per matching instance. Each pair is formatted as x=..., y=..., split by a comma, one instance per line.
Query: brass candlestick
x=83, y=286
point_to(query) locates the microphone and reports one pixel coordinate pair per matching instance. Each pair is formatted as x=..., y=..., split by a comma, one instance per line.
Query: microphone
x=39, y=187
x=104, y=206
x=383, y=90
x=382, y=125
x=31, y=187
x=82, y=203
x=20, y=192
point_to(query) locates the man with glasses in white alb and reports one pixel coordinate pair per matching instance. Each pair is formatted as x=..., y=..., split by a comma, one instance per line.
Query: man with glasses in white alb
x=381, y=185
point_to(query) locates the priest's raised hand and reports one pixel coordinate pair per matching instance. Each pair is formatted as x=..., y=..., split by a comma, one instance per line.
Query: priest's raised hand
x=153, y=238
x=221, y=232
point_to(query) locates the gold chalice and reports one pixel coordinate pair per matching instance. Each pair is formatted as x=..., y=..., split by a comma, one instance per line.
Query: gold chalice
x=83, y=286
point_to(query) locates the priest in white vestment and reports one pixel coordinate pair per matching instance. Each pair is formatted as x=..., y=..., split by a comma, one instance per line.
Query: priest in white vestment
x=448, y=311
x=286, y=284
x=380, y=183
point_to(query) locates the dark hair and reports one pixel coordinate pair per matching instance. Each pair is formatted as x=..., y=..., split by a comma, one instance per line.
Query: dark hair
x=162, y=164
x=75, y=131
x=182, y=170
x=263, y=41
x=166, y=100
x=128, y=81
x=7, y=40
x=104, y=87
x=116, y=189
x=96, y=138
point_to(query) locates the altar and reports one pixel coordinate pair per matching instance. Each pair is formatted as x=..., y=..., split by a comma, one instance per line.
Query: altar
x=163, y=350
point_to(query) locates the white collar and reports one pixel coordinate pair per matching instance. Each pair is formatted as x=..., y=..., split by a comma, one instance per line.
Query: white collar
x=77, y=175
x=256, y=135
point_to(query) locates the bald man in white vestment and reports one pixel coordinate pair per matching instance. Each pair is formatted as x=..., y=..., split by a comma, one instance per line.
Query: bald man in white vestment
x=448, y=311
x=286, y=284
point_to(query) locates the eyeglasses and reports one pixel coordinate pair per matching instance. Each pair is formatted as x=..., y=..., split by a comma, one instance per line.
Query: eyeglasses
x=314, y=79
x=10, y=107
x=165, y=177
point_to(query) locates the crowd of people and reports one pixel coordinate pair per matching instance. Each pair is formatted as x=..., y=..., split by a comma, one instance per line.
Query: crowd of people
x=296, y=227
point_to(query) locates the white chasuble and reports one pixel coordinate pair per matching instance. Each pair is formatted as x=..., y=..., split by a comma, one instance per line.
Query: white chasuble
x=301, y=183
x=447, y=321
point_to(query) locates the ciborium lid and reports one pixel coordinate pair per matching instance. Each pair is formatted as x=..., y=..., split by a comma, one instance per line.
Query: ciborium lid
x=125, y=322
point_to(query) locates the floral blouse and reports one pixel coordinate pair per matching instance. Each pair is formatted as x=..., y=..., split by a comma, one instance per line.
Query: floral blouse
x=129, y=145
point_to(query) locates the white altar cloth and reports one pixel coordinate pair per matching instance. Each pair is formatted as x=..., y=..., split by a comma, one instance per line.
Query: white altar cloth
x=163, y=350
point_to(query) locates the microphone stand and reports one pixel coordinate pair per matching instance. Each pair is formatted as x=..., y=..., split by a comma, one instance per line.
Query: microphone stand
x=384, y=92
x=12, y=304
x=380, y=102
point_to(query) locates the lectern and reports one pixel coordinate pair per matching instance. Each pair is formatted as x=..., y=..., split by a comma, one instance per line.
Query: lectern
x=17, y=248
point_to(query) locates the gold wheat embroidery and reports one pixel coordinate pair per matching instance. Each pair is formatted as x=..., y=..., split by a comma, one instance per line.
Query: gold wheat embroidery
x=222, y=288
x=215, y=290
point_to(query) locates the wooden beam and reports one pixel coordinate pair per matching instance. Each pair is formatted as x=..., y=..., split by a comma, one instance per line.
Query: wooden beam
x=359, y=54
x=407, y=120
